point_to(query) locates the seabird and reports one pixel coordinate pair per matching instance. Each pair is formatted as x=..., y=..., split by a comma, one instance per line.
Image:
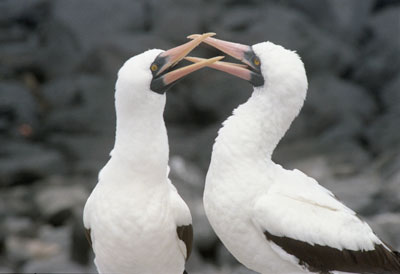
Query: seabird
x=271, y=219
x=135, y=219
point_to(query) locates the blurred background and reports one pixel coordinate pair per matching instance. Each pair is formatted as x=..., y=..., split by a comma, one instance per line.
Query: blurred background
x=58, y=65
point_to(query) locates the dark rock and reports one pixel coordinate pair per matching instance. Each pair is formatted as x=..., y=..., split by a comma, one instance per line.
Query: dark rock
x=3, y=235
x=56, y=200
x=21, y=249
x=57, y=264
x=59, y=236
x=343, y=159
x=84, y=114
x=316, y=167
x=189, y=180
x=206, y=239
x=391, y=95
x=62, y=92
x=389, y=164
x=17, y=108
x=346, y=19
x=35, y=42
x=196, y=263
x=109, y=56
x=90, y=152
x=357, y=192
x=391, y=192
x=385, y=27
x=207, y=268
x=57, y=259
x=21, y=226
x=224, y=257
x=326, y=95
x=26, y=12
x=18, y=56
x=187, y=177
x=177, y=23
x=23, y=163
x=17, y=201
x=381, y=4
x=317, y=12
x=377, y=65
x=16, y=248
x=239, y=18
x=320, y=51
x=349, y=18
x=92, y=26
x=347, y=158
x=5, y=269
x=80, y=248
x=178, y=109
x=356, y=188
x=59, y=52
x=72, y=120
x=379, y=61
x=192, y=145
x=333, y=109
x=384, y=132
x=218, y=95
x=386, y=226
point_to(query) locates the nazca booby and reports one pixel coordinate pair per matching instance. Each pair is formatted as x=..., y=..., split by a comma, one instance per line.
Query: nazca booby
x=135, y=219
x=271, y=219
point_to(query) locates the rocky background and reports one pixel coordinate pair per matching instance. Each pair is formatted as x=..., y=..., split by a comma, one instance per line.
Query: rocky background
x=58, y=66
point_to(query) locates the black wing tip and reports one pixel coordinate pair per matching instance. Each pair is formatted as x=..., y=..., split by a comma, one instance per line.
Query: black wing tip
x=185, y=233
x=324, y=259
x=88, y=237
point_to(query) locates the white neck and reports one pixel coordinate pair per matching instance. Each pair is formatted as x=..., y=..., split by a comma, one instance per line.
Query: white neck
x=257, y=126
x=141, y=142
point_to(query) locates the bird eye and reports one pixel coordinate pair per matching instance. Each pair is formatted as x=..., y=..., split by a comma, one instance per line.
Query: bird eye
x=256, y=61
x=154, y=67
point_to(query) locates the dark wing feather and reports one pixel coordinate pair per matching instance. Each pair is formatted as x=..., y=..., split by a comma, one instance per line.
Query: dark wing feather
x=185, y=233
x=87, y=233
x=324, y=259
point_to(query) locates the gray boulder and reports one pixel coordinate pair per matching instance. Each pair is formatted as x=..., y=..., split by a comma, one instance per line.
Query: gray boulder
x=23, y=163
x=56, y=200
x=92, y=26
x=334, y=109
x=383, y=133
x=386, y=226
x=18, y=108
x=379, y=61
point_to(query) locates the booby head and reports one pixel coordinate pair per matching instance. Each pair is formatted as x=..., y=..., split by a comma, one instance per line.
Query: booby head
x=140, y=93
x=144, y=79
x=265, y=65
x=153, y=71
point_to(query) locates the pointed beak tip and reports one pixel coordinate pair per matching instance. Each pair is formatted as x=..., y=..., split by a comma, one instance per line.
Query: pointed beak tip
x=204, y=35
x=178, y=53
x=209, y=34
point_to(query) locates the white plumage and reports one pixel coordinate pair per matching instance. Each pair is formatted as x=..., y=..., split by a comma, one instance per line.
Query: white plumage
x=134, y=211
x=271, y=219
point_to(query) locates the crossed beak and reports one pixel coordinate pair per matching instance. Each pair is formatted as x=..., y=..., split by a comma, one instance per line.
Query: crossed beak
x=163, y=75
x=250, y=70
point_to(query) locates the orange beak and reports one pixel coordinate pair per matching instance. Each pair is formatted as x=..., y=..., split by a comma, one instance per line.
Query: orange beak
x=164, y=77
x=250, y=70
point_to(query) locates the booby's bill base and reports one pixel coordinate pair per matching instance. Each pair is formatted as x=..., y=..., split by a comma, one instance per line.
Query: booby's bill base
x=163, y=75
x=250, y=70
